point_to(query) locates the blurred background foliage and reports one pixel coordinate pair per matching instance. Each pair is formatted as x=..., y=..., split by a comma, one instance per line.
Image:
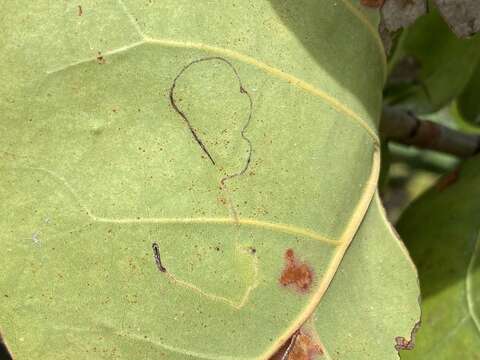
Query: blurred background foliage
x=431, y=197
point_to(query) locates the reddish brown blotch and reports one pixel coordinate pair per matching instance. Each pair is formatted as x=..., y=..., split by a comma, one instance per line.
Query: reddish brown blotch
x=296, y=274
x=300, y=346
x=304, y=348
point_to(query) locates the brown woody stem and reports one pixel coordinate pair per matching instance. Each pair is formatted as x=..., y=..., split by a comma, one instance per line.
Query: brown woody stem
x=404, y=127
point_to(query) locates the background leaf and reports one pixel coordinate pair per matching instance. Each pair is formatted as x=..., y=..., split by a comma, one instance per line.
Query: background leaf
x=467, y=104
x=441, y=230
x=431, y=66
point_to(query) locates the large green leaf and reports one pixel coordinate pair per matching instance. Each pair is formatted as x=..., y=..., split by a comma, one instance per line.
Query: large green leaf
x=431, y=66
x=229, y=134
x=442, y=231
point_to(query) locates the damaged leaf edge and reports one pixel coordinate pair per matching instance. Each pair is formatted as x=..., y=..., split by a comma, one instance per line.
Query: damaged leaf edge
x=417, y=324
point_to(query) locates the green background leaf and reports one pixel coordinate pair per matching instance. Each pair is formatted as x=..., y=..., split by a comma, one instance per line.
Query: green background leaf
x=441, y=230
x=468, y=104
x=438, y=68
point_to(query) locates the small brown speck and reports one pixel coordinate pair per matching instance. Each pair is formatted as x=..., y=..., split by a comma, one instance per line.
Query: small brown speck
x=100, y=59
x=80, y=10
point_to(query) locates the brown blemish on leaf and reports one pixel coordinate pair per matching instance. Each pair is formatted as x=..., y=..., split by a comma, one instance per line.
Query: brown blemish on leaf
x=80, y=10
x=304, y=348
x=296, y=274
x=403, y=344
x=100, y=59
x=448, y=180
x=373, y=3
x=300, y=346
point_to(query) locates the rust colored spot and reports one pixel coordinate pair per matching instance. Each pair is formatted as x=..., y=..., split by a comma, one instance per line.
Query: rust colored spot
x=403, y=344
x=448, y=180
x=100, y=59
x=80, y=10
x=373, y=3
x=304, y=348
x=301, y=346
x=295, y=273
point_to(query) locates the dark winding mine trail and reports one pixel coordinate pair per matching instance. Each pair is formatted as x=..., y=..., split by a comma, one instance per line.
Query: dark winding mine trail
x=196, y=137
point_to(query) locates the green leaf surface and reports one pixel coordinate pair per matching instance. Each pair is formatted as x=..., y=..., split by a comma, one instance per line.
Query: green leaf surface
x=431, y=66
x=442, y=232
x=223, y=135
x=383, y=297
x=468, y=103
